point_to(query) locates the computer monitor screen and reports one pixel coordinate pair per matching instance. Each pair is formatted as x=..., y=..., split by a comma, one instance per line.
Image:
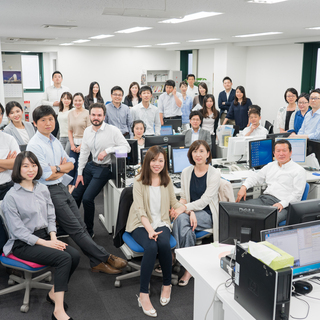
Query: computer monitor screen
x=260, y=153
x=244, y=222
x=166, y=130
x=303, y=211
x=273, y=136
x=302, y=242
x=164, y=146
x=176, y=140
x=299, y=149
x=133, y=158
x=180, y=159
x=175, y=123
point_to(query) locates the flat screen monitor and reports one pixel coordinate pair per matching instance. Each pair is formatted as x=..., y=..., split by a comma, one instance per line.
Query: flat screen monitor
x=303, y=211
x=260, y=153
x=164, y=146
x=180, y=159
x=176, y=140
x=313, y=146
x=299, y=149
x=244, y=222
x=166, y=130
x=133, y=155
x=273, y=136
x=175, y=123
x=302, y=242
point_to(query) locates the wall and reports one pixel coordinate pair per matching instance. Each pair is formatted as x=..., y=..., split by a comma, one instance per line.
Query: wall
x=206, y=66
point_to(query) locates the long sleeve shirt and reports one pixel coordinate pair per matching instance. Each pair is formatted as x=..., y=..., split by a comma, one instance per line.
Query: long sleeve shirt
x=107, y=138
x=25, y=212
x=311, y=125
x=239, y=113
x=286, y=183
x=167, y=105
x=119, y=117
x=53, y=94
x=226, y=99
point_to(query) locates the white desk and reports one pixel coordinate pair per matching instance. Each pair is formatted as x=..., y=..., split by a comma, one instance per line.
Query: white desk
x=204, y=264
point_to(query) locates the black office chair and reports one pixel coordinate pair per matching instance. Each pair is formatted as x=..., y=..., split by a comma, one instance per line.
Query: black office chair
x=269, y=126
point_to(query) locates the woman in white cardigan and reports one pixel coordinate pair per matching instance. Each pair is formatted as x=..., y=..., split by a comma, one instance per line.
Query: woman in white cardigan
x=199, y=193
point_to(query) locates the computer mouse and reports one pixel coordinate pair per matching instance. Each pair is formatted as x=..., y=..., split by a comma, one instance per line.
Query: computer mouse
x=302, y=287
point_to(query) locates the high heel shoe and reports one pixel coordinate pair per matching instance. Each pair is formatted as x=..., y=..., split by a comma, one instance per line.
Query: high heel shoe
x=54, y=318
x=165, y=301
x=151, y=313
x=53, y=303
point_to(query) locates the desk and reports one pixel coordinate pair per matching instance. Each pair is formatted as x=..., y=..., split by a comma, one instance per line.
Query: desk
x=204, y=264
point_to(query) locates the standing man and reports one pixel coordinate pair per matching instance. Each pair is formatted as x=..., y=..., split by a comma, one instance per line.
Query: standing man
x=117, y=113
x=186, y=106
x=9, y=149
x=55, y=164
x=147, y=112
x=100, y=139
x=225, y=99
x=170, y=102
x=192, y=89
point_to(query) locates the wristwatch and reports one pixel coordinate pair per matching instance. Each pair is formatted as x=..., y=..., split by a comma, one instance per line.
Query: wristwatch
x=58, y=169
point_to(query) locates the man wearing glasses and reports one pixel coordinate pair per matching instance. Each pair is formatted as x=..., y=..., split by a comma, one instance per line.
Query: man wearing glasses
x=118, y=114
x=311, y=125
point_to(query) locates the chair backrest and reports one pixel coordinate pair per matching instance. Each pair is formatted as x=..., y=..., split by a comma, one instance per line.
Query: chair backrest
x=269, y=126
x=3, y=231
x=305, y=192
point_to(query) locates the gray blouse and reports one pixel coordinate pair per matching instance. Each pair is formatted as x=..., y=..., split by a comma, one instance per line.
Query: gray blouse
x=12, y=130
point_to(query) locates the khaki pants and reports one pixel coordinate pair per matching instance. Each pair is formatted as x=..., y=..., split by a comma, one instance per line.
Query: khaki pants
x=230, y=121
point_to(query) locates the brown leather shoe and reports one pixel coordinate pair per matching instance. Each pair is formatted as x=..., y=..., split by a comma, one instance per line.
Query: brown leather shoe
x=105, y=268
x=116, y=262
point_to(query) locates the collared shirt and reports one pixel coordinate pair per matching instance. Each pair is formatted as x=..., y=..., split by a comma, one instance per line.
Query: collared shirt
x=186, y=109
x=150, y=116
x=107, y=138
x=296, y=121
x=311, y=125
x=25, y=212
x=260, y=131
x=195, y=135
x=53, y=94
x=49, y=153
x=167, y=105
x=119, y=117
x=192, y=92
x=7, y=144
x=286, y=183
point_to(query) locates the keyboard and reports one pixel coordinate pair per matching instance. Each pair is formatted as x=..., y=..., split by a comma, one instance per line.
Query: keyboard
x=177, y=184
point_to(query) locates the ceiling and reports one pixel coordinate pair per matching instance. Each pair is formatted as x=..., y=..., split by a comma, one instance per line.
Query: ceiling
x=25, y=18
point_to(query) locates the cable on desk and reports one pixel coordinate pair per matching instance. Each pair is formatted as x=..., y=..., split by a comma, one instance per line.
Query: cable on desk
x=296, y=296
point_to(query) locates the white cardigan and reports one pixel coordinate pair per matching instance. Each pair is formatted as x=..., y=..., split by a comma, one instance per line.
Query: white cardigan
x=210, y=196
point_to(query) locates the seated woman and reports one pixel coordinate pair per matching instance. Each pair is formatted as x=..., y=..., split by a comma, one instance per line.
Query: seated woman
x=297, y=117
x=22, y=131
x=138, y=129
x=199, y=193
x=31, y=220
x=149, y=223
x=94, y=95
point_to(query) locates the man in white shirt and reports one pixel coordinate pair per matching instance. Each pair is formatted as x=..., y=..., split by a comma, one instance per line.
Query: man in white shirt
x=255, y=128
x=192, y=90
x=285, y=179
x=170, y=102
x=9, y=149
x=147, y=112
x=100, y=139
x=53, y=93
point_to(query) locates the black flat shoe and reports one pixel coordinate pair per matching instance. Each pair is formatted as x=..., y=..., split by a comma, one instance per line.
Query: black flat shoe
x=52, y=302
x=54, y=318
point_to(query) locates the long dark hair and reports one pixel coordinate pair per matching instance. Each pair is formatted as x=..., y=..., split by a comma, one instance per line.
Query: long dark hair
x=130, y=96
x=91, y=91
x=69, y=96
x=204, y=109
x=244, y=98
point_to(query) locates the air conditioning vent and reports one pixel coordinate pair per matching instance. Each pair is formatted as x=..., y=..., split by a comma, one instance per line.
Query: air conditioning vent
x=13, y=39
x=55, y=26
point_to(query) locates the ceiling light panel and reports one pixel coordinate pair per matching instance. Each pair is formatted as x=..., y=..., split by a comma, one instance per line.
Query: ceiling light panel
x=102, y=36
x=193, y=16
x=167, y=43
x=257, y=34
x=203, y=40
x=266, y=1
x=135, y=29
x=81, y=41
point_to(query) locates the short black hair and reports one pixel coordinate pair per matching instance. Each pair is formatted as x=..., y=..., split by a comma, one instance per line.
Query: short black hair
x=170, y=83
x=282, y=141
x=305, y=95
x=315, y=90
x=42, y=111
x=145, y=88
x=191, y=75
x=182, y=83
x=97, y=105
x=78, y=94
x=195, y=146
x=226, y=78
x=16, y=171
x=2, y=109
x=116, y=88
x=10, y=105
x=293, y=91
x=196, y=113
x=254, y=109
x=57, y=72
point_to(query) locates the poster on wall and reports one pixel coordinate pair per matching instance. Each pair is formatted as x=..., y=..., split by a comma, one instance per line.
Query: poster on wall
x=12, y=84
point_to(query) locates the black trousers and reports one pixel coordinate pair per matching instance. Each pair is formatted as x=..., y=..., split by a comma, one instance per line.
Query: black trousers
x=69, y=218
x=5, y=188
x=65, y=262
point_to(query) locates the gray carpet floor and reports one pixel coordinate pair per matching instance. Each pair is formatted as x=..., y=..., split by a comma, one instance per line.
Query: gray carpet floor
x=93, y=296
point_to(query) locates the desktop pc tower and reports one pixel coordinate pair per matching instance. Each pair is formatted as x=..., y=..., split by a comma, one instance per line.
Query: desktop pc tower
x=118, y=171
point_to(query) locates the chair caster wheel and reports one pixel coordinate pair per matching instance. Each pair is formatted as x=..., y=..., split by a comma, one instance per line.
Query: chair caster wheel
x=174, y=282
x=24, y=308
x=176, y=269
x=128, y=268
x=117, y=284
x=11, y=282
x=48, y=279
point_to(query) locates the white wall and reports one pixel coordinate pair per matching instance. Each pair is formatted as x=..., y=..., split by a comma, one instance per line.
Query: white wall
x=206, y=66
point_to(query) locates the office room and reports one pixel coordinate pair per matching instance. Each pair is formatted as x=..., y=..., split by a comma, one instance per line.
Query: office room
x=264, y=46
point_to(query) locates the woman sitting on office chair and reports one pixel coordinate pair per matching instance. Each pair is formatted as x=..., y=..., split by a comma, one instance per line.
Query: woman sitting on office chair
x=199, y=193
x=150, y=225
x=30, y=217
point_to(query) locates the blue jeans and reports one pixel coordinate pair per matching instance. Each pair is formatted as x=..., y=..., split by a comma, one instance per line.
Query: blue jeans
x=182, y=230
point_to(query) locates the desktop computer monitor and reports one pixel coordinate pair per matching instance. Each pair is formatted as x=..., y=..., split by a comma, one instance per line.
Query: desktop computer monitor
x=244, y=222
x=303, y=211
x=166, y=130
x=176, y=140
x=133, y=158
x=175, y=123
x=313, y=146
x=180, y=159
x=260, y=153
x=302, y=242
x=273, y=136
x=299, y=149
x=164, y=146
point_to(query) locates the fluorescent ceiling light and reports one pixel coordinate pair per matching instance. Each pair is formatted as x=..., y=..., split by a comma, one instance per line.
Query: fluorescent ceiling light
x=192, y=16
x=135, y=29
x=102, y=36
x=266, y=1
x=66, y=44
x=203, y=40
x=25, y=51
x=143, y=46
x=313, y=28
x=167, y=44
x=257, y=34
x=81, y=41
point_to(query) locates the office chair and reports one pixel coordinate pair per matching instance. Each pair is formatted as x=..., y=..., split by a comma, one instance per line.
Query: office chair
x=303, y=198
x=29, y=268
x=269, y=126
x=129, y=247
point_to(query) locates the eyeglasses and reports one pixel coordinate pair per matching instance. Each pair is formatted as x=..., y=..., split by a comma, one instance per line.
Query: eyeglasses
x=291, y=96
x=314, y=98
x=117, y=95
x=196, y=120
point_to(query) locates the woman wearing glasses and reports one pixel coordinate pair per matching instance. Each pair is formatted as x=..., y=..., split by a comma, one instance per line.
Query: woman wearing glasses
x=298, y=116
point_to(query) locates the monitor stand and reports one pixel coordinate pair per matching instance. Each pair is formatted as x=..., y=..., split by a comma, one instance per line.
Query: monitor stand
x=245, y=234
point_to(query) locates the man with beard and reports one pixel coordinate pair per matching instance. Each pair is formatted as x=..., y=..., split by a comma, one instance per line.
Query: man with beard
x=100, y=139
